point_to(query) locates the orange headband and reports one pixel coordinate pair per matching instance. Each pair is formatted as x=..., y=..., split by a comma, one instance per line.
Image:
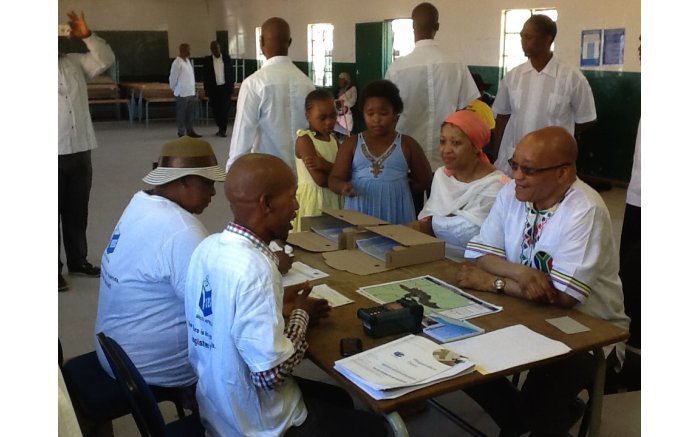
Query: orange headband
x=474, y=128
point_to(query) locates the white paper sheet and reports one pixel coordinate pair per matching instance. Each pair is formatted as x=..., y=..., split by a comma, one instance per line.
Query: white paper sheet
x=507, y=347
x=301, y=272
x=334, y=298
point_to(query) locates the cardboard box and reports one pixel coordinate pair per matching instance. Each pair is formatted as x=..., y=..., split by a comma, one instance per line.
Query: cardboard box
x=330, y=218
x=412, y=247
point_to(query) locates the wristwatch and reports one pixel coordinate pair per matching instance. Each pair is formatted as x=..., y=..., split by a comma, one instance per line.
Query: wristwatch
x=500, y=286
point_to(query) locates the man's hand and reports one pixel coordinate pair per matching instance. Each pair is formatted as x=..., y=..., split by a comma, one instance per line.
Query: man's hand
x=297, y=296
x=78, y=26
x=473, y=277
x=535, y=286
x=284, y=261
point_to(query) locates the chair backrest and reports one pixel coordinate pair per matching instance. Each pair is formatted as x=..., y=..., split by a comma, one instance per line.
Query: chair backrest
x=144, y=407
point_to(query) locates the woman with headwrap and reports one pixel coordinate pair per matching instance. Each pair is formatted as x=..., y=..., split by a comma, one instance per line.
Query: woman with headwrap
x=465, y=188
x=347, y=96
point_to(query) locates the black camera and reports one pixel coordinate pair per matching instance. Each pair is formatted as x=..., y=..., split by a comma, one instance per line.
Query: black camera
x=404, y=315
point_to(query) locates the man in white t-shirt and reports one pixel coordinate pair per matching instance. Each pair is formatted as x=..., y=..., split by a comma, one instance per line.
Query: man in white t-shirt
x=141, y=301
x=240, y=346
x=548, y=239
x=538, y=93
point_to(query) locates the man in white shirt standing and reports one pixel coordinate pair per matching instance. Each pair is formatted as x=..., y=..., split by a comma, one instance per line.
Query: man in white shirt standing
x=538, y=93
x=270, y=105
x=76, y=139
x=432, y=86
x=182, y=83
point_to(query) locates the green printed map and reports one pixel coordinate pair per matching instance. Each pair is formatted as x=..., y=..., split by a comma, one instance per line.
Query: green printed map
x=428, y=291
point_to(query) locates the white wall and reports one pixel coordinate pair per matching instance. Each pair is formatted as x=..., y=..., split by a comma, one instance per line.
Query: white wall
x=468, y=28
x=191, y=21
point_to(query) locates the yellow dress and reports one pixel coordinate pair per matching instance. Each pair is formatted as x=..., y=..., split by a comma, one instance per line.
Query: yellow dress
x=310, y=196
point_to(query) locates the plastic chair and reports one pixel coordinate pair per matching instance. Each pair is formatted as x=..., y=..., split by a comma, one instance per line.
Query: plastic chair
x=97, y=397
x=144, y=407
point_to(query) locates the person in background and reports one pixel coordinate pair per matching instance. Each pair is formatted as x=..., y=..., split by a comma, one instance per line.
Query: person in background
x=372, y=168
x=315, y=150
x=144, y=267
x=182, y=83
x=432, y=84
x=241, y=347
x=539, y=93
x=218, y=85
x=270, y=106
x=76, y=140
x=547, y=239
x=465, y=188
x=347, y=97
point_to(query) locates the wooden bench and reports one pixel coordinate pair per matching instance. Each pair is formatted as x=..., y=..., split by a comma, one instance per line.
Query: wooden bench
x=156, y=93
x=109, y=94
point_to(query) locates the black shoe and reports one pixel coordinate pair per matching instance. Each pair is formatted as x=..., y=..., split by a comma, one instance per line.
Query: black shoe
x=86, y=269
x=193, y=134
x=221, y=134
x=179, y=135
x=62, y=284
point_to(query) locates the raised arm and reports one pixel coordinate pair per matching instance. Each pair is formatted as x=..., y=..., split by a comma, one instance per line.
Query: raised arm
x=99, y=56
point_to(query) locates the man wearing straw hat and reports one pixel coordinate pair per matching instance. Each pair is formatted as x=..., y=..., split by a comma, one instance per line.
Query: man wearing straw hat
x=141, y=301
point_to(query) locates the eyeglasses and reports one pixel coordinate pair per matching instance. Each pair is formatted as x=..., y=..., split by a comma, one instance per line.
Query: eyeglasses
x=529, y=171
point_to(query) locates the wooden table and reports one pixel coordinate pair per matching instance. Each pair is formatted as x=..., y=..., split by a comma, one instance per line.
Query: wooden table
x=324, y=339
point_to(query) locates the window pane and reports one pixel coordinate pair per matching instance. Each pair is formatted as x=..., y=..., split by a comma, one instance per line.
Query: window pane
x=515, y=19
x=403, y=39
x=258, y=51
x=321, y=53
x=512, y=45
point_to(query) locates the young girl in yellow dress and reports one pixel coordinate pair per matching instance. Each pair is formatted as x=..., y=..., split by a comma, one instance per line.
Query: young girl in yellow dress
x=315, y=151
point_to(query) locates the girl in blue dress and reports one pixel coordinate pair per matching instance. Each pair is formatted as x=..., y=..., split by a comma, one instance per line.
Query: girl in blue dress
x=378, y=169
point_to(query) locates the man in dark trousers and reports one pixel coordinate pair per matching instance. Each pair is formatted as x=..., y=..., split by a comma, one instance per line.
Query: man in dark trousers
x=218, y=85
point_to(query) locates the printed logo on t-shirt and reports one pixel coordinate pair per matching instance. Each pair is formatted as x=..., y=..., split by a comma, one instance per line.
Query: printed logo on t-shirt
x=113, y=241
x=205, y=298
x=543, y=262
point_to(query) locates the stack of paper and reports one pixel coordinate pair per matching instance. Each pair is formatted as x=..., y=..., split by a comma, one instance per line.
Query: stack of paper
x=402, y=366
x=508, y=347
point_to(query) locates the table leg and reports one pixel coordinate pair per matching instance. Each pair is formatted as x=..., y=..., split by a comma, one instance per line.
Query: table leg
x=596, y=393
x=397, y=424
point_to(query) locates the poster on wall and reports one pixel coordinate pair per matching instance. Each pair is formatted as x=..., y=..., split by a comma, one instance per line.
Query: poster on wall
x=614, y=46
x=590, y=47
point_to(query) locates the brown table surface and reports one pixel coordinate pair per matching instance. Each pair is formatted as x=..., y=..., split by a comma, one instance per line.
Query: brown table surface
x=324, y=338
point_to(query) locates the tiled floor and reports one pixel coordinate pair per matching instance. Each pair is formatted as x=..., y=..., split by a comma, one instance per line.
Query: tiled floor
x=125, y=155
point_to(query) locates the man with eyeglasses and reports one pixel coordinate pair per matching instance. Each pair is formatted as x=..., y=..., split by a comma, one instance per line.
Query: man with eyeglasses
x=540, y=92
x=548, y=239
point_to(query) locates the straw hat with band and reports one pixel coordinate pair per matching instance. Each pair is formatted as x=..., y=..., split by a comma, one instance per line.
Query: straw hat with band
x=183, y=157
